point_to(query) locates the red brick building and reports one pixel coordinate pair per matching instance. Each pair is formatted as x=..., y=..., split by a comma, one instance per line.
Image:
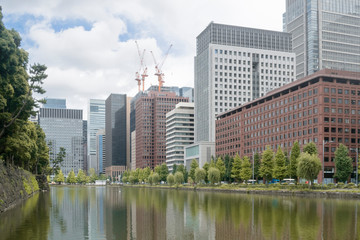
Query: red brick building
x=321, y=108
x=150, y=125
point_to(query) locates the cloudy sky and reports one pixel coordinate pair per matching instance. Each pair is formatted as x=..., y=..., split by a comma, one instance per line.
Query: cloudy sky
x=89, y=45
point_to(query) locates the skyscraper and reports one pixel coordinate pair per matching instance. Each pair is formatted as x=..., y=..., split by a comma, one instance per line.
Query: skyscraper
x=325, y=34
x=117, y=131
x=151, y=127
x=96, y=121
x=64, y=128
x=234, y=65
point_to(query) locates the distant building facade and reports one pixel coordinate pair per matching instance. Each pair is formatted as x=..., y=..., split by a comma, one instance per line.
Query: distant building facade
x=64, y=128
x=117, y=130
x=234, y=65
x=100, y=150
x=325, y=34
x=150, y=127
x=96, y=121
x=323, y=108
x=179, y=133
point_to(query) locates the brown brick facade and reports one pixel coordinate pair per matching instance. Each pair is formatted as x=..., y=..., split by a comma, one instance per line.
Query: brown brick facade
x=323, y=106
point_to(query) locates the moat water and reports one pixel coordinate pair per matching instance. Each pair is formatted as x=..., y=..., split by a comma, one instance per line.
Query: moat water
x=139, y=213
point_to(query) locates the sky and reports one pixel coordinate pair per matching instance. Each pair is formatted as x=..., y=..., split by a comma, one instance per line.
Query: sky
x=89, y=46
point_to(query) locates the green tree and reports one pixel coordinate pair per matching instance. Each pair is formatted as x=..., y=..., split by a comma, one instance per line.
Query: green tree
x=212, y=162
x=170, y=179
x=146, y=174
x=343, y=163
x=59, y=177
x=214, y=175
x=92, y=175
x=221, y=166
x=193, y=166
x=267, y=164
x=58, y=161
x=163, y=172
x=206, y=168
x=236, y=168
x=309, y=166
x=182, y=169
x=155, y=178
x=228, y=161
x=132, y=179
x=294, y=155
x=280, y=168
x=42, y=154
x=81, y=177
x=179, y=177
x=157, y=169
x=174, y=169
x=71, y=177
x=257, y=163
x=246, y=171
x=199, y=175
x=310, y=148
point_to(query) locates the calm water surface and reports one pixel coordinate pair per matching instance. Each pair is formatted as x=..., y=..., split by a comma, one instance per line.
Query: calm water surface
x=131, y=213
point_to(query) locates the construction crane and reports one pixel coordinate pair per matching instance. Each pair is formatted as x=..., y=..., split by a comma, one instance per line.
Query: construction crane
x=158, y=71
x=143, y=68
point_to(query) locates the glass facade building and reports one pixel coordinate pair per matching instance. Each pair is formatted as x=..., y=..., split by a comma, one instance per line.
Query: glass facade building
x=64, y=128
x=96, y=121
x=325, y=34
x=55, y=103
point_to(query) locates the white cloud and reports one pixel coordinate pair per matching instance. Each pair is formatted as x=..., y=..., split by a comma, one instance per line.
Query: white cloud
x=92, y=63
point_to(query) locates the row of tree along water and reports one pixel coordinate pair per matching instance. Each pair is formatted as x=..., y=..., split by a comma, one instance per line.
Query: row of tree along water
x=267, y=166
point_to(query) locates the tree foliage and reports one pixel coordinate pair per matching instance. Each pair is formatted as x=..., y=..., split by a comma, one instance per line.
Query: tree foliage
x=206, y=168
x=170, y=179
x=155, y=178
x=193, y=166
x=246, y=171
x=280, y=168
x=267, y=164
x=236, y=168
x=343, y=163
x=221, y=166
x=163, y=172
x=310, y=148
x=81, y=177
x=59, y=177
x=228, y=161
x=179, y=177
x=200, y=175
x=58, y=161
x=295, y=153
x=71, y=177
x=309, y=166
x=214, y=175
x=257, y=163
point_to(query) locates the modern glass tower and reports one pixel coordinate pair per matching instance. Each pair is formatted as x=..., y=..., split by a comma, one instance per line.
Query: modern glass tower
x=325, y=34
x=96, y=121
x=64, y=128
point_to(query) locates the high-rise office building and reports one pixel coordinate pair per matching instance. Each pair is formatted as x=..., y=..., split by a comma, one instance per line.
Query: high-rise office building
x=234, y=65
x=100, y=150
x=151, y=127
x=179, y=133
x=117, y=131
x=64, y=128
x=325, y=34
x=96, y=121
x=58, y=103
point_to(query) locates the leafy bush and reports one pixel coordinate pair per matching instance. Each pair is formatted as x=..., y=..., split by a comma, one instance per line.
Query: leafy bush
x=170, y=179
x=330, y=185
x=340, y=185
x=350, y=185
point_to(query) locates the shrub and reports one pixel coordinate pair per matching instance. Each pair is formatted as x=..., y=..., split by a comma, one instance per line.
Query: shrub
x=350, y=185
x=340, y=185
x=179, y=177
x=170, y=179
x=330, y=185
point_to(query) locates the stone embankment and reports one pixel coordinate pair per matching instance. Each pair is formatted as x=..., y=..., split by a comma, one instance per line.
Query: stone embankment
x=17, y=184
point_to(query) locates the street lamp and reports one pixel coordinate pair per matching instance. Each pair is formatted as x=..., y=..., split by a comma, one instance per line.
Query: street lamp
x=323, y=162
x=356, y=161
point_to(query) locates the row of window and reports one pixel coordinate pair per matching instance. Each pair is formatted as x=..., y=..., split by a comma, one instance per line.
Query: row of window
x=255, y=55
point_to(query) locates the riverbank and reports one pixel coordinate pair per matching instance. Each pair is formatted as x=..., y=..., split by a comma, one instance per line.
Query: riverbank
x=16, y=185
x=263, y=190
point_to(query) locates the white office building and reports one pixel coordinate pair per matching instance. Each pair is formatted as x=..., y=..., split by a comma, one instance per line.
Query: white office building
x=234, y=65
x=179, y=133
